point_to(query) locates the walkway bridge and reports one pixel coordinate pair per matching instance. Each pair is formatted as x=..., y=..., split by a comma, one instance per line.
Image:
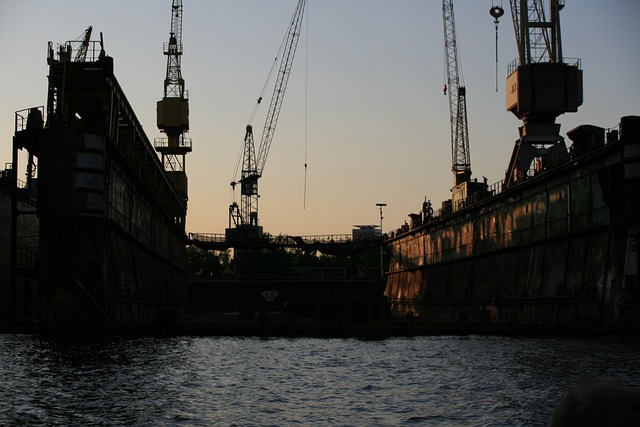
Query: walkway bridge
x=331, y=244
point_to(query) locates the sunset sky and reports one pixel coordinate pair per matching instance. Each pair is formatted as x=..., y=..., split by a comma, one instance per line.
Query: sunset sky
x=364, y=107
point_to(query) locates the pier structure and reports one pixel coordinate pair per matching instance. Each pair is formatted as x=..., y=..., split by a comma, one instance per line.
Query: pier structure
x=110, y=239
x=330, y=244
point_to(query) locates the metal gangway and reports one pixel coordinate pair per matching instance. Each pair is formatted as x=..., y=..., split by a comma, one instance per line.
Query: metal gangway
x=330, y=244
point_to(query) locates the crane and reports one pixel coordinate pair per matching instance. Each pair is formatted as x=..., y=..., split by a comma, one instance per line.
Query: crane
x=173, y=111
x=540, y=87
x=245, y=216
x=461, y=161
x=84, y=45
x=173, y=82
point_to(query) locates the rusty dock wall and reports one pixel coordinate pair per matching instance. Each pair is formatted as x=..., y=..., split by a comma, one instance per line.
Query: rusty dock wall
x=559, y=250
x=111, y=226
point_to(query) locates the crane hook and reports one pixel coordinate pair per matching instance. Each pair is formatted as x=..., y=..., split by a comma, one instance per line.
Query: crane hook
x=496, y=12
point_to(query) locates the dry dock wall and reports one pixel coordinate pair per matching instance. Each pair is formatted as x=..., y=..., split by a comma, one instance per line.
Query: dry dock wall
x=18, y=298
x=111, y=226
x=109, y=255
x=556, y=250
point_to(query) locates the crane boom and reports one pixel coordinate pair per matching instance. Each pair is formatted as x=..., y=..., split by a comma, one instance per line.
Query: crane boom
x=254, y=160
x=280, y=87
x=84, y=46
x=461, y=162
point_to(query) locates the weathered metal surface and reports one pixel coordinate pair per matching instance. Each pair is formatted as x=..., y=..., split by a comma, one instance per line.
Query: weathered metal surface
x=547, y=252
x=111, y=239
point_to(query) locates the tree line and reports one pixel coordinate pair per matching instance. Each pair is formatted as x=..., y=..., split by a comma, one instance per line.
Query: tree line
x=283, y=262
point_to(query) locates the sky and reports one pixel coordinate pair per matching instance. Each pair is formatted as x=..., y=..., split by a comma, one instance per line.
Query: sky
x=364, y=107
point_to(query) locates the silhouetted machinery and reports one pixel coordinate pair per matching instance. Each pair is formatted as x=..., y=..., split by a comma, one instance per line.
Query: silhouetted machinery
x=540, y=87
x=243, y=218
x=173, y=111
x=463, y=188
x=244, y=229
x=461, y=161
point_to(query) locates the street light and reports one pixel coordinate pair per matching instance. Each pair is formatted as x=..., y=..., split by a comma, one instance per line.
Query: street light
x=380, y=206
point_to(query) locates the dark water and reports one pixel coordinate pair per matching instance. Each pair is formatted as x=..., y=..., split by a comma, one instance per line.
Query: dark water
x=458, y=381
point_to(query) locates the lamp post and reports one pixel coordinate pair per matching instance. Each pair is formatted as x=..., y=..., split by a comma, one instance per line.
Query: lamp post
x=380, y=206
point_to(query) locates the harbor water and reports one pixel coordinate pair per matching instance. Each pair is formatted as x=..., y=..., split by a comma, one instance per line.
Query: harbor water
x=203, y=381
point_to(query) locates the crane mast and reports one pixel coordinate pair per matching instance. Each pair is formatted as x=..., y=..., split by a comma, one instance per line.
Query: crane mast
x=173, y=82
x=254, y=160
x=173, y=112
x=461, y=162
x=248, y=214
x=540, y=87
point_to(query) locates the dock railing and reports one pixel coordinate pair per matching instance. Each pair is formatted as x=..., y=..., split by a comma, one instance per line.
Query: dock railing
x=513, y=65
x=281, y=240
x=22, y=118
x=208, y=237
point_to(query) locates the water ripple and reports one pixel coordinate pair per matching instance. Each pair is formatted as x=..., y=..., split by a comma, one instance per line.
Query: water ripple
x=201, y=381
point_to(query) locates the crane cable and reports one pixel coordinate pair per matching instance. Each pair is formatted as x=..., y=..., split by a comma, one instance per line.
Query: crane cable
x=306, y=107
x=496, y=11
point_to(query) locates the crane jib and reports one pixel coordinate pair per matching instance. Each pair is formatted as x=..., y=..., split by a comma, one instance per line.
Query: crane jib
x=254, y=160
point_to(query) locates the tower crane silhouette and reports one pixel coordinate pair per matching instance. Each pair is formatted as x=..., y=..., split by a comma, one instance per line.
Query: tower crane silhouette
x=245, y=216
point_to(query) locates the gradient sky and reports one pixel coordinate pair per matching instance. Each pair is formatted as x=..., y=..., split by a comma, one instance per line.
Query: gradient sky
x=368, y=74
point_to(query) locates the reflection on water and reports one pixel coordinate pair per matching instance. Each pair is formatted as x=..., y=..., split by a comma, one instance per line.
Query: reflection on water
x=250, y=381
